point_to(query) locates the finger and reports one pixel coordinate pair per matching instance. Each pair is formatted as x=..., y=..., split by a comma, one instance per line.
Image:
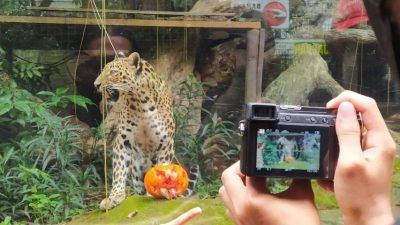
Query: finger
x=225, y=198
x=186, y=217
x=257, y=185
x=229, y=214
x=371, y=116
x=348, y=133
x=327, y=185
x=377, y=134
x=232, y=180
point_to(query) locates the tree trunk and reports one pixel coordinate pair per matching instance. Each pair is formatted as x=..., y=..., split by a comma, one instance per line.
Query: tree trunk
x=307, y=74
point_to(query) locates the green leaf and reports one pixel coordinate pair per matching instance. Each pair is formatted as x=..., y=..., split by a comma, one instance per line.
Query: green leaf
x=46, y=93
x=5, y=99
x=5, y=108
x=36, y=73
x=54, y=196
x=29, y=73
x=15, y=70
x=20, y=122
x=40, y=111
x=23, y=106
x=60, y=91
x=23, y=67
x=13, y=85
x=80, y=100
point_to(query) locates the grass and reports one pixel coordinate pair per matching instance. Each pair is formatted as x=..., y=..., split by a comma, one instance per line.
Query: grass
x=323, y=199
x=151, y=211
x=297, y=164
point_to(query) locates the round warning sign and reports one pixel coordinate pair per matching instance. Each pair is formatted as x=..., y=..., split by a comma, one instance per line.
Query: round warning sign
x=275, y=13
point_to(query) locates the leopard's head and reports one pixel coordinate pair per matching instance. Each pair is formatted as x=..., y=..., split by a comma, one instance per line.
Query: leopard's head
x=121, y=74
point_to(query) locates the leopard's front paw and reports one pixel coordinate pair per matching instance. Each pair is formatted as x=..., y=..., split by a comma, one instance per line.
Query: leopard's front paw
x=109, y=203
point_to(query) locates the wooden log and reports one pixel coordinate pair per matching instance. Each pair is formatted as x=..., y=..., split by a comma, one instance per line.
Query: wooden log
x=132, y=22
x=253, y=42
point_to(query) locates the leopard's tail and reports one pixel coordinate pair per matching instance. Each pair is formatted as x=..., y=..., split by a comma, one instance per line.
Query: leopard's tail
x=194, y=175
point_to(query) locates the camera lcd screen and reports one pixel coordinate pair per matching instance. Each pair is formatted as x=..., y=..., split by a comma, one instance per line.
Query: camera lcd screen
x=284, y=150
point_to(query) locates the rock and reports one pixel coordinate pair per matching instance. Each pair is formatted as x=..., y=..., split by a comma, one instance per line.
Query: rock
x=310, y=17
x=211, y=6
x=308, y=74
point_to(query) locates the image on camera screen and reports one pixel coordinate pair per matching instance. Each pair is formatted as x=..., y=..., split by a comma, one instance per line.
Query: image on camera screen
x=287, y=151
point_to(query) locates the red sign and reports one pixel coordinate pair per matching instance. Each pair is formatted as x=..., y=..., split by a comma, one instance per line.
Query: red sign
x=275, y=13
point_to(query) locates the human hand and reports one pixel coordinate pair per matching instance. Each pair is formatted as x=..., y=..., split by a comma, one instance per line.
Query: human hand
x=248, y=201
x=362, y=182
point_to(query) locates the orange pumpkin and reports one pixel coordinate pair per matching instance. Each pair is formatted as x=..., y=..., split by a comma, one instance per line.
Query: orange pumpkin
x=167, y=181
x=289, y=159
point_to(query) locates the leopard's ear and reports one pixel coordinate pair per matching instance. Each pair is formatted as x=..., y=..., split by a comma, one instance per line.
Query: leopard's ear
x=134, y=59
x=120, y=54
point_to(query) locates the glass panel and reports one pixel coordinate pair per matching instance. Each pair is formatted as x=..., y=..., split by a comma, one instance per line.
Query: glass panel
x=83, y=117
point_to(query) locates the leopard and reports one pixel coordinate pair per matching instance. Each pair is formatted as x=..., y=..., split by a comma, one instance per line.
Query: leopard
x=140, y=109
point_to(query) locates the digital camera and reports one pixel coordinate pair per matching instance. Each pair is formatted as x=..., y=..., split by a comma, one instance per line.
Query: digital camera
x=288, y=141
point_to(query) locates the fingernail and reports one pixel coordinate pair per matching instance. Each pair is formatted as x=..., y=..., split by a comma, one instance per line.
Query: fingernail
x=197, y=210
x=347, y=110
x=329, y=104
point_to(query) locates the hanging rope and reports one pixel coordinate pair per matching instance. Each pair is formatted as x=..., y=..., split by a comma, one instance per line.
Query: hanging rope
x=157, y=35
x=103, y=51
x=77, y=62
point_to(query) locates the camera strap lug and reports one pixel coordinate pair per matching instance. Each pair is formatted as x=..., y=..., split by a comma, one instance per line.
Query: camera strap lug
x=242, y=127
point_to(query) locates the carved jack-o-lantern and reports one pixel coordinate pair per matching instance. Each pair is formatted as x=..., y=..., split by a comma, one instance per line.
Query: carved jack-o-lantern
x=168, y=181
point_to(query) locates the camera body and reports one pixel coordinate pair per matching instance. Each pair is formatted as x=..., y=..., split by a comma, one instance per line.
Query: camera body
x=288, y=141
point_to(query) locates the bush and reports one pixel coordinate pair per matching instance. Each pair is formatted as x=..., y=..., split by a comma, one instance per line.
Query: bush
x=212, y=142
x=43, y=177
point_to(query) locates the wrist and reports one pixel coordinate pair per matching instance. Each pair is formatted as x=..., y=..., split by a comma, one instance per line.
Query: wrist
x=369, y=216
x=376, y=220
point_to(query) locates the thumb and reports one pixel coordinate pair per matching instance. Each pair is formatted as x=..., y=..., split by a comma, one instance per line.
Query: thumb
x=348, y=133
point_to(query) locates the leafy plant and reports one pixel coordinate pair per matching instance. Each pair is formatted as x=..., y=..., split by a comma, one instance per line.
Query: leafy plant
x=213, y=139
x=31, y=76
x=209, y=187
x=13, y=6
x=61, y=99
x=269, y=150
x=43, y=175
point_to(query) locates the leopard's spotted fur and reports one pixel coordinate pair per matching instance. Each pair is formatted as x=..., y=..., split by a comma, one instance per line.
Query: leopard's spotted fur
x=142, y=115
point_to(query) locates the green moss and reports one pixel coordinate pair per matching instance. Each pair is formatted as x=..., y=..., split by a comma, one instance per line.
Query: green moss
x=152, y=211
x=323, y=199
x=396, y=174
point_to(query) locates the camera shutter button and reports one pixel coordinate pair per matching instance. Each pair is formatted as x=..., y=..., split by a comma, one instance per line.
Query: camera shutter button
x=287, y=118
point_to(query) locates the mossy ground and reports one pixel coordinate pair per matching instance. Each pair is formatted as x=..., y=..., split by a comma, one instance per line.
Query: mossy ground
x=151, y=211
